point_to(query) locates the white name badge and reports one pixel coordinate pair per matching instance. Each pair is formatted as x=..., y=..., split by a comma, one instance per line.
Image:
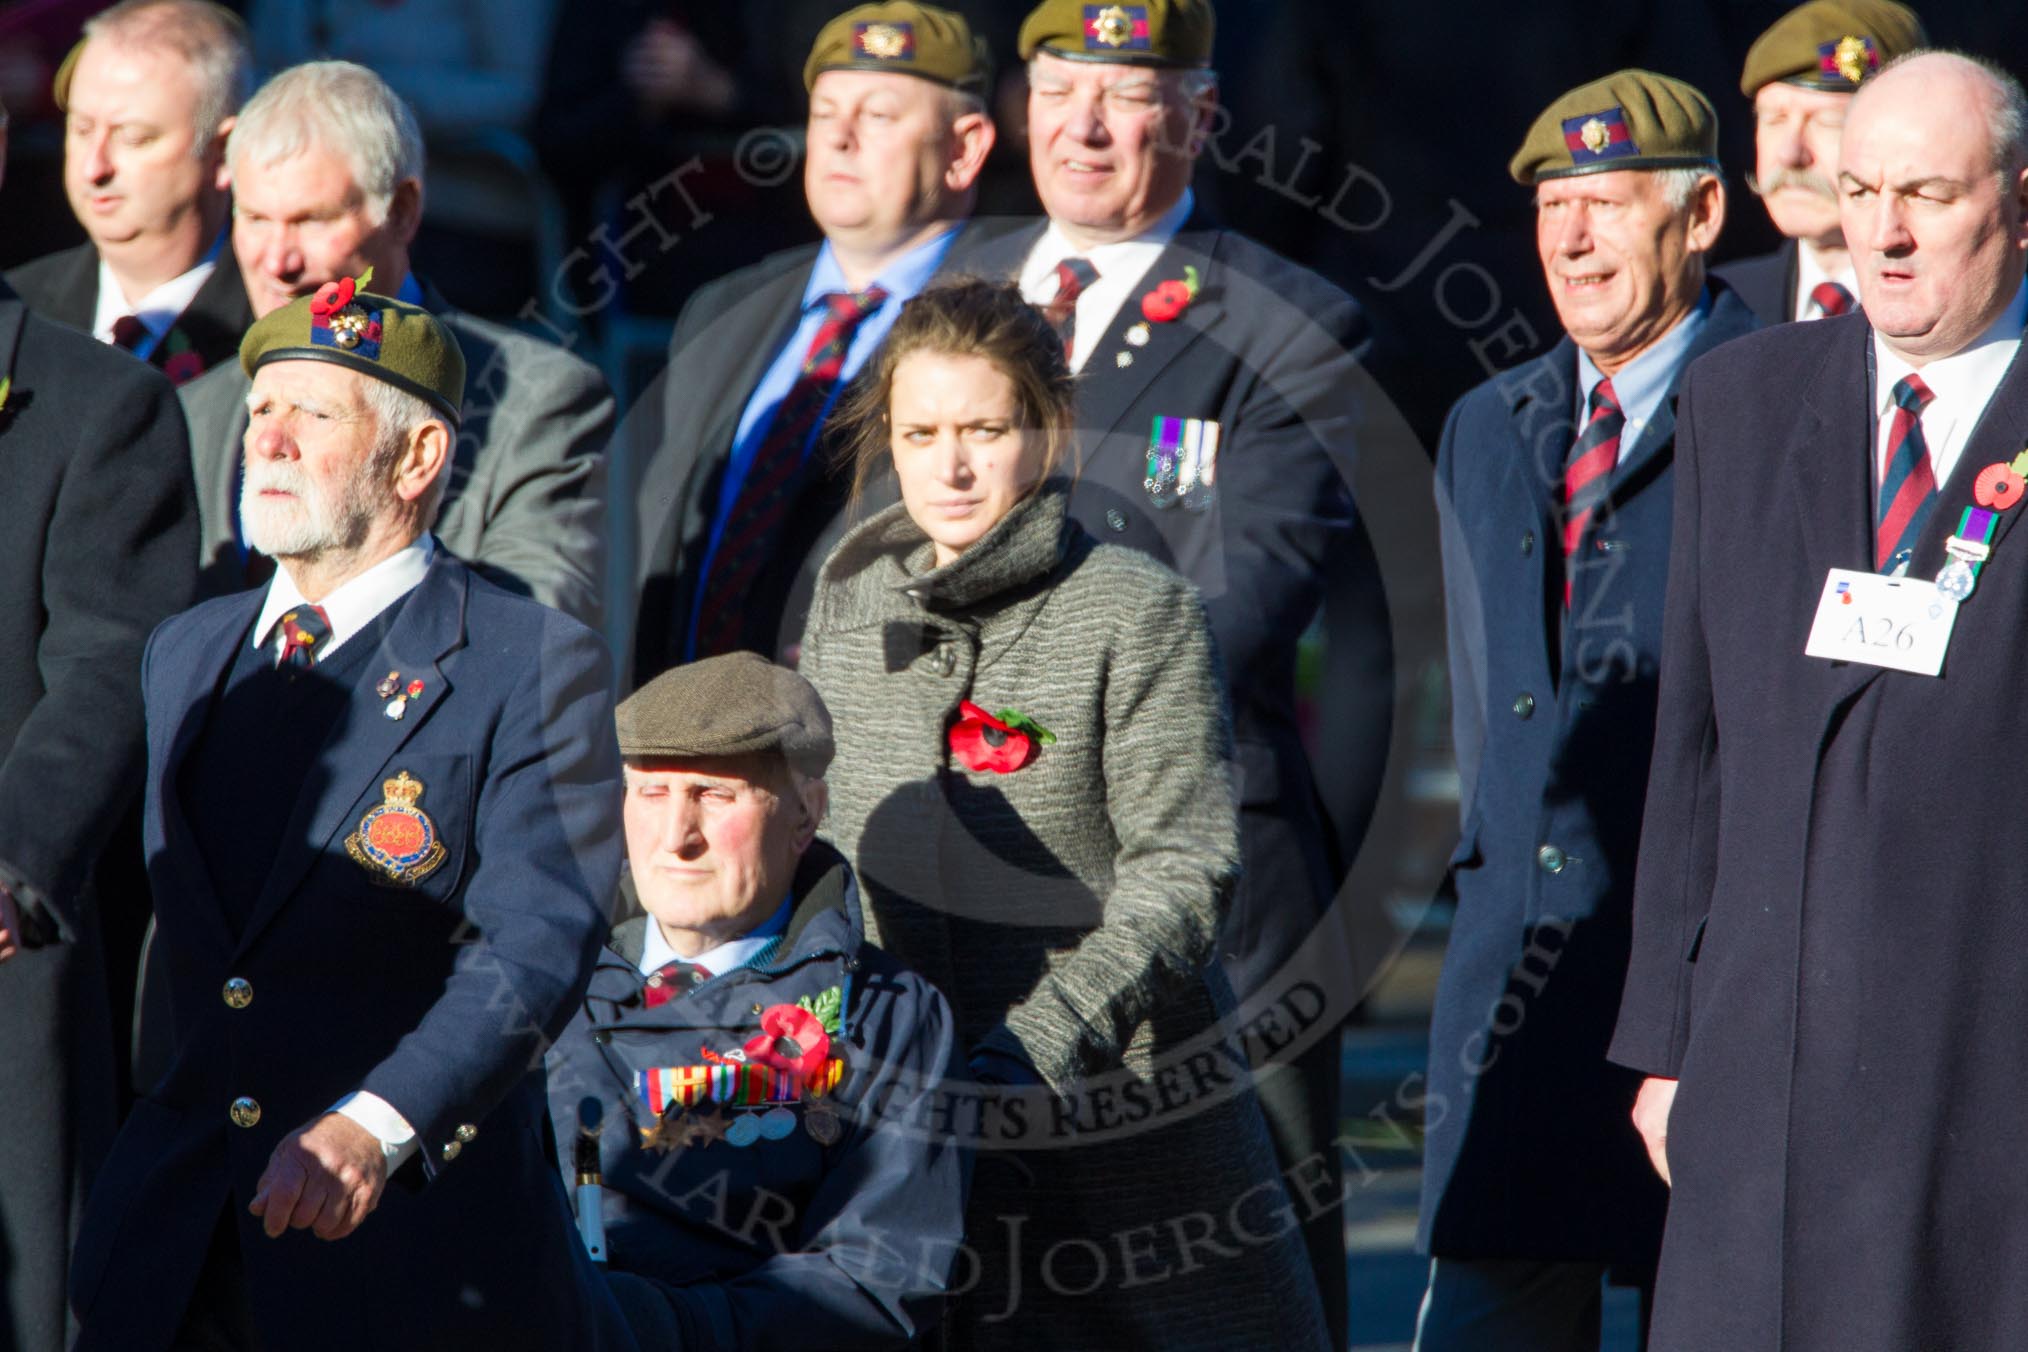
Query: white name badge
x=1899, y=622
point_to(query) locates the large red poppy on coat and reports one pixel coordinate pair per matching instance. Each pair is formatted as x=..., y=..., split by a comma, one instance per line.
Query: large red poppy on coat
x=983, y=742
x=791, y=1039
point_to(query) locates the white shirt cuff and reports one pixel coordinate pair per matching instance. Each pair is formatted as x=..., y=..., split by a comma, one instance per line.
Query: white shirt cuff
x=377, y=1115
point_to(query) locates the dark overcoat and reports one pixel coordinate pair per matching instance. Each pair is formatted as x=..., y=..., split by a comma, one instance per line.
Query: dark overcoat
x=97, y=533
x=1828, y=928
x=1270, y=351
x=846, y=1245
x=438, y=997
x=1766, y=282
x=1528, y=1152
x=64, y=286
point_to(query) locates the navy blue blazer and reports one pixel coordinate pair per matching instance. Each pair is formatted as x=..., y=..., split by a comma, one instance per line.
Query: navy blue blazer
x=1529, y=1152
x=438, y=996
x=1766, y=282
x=840, y=1245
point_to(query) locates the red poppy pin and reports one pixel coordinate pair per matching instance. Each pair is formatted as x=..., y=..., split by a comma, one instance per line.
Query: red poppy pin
x=791, y=1039
x=1000, y=743
x=1170, y=299
x=333, y=297
x=2000, y=486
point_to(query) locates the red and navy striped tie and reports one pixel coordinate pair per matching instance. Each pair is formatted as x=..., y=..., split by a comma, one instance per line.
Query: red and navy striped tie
x=1831, y=299
x=1584, y=475
x=1073, y=275
x=1908, y=485
x=762, y=505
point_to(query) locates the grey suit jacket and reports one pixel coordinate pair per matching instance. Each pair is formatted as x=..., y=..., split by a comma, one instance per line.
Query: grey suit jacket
x=526, y=502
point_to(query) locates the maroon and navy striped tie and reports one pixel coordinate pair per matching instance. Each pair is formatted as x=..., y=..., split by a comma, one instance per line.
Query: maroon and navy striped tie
x=1073, y=275
x=1584, y=475
x=1832, y=299
x=755, y=520
x=1908, y=484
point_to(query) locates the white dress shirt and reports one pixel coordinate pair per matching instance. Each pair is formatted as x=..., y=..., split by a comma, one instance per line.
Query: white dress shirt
x=1120, y=268
x=1963, y=384
x=349, y=608
x=728, y=956
x=159, y=309
x=1810, y=273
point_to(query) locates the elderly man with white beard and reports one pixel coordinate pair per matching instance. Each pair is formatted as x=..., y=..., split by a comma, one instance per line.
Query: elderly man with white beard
x=381, y=830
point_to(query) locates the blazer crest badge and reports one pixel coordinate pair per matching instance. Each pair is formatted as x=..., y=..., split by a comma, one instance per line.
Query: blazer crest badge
x=397, y=842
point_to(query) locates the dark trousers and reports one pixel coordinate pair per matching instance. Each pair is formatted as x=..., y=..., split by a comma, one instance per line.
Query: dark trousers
x=1300, y=1102
x=1515, y=1305
x=220, y=1317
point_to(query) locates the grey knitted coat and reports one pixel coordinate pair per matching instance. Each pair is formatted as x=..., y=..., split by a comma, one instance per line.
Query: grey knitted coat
x=1068, y=910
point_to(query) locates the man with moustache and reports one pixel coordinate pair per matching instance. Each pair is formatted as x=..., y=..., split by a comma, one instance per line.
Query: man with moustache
x=1219, y=399
x=327, y=170
x=149, y=97
x=1554, y=484
x=96, y=534
x=381, y=828
x=1827, y=938
x=1801, y=74
x=739, y=500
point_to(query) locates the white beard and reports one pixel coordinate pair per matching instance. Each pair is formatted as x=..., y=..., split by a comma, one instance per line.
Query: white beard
x=309, y=524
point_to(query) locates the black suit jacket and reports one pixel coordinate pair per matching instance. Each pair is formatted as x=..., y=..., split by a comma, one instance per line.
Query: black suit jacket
x=64, y=286
x=1271, y=352
x=1766, y=282
x=726, y=338
x=1828, y=899
x=98, y=533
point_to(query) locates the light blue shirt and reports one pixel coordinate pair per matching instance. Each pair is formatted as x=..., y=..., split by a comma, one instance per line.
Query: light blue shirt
x=901, y=279
x=1644, y=382
x=728, y=956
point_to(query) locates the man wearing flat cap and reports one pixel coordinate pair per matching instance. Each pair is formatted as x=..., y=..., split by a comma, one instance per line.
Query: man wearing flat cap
x=1801, y=74
x=1555, y=487
x=763, y=1082
x=1195, y=345
x=739, y=500
x=381, y=830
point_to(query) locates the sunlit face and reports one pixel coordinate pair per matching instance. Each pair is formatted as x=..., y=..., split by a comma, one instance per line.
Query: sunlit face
x=1111, y=145
x=1795, y=158
x=311, y=487
x=960, y=452
x=132, y=167
x=1619, y=260
x=879, y=149
x=304, y=221
x=1936, y=237
x=713, y=842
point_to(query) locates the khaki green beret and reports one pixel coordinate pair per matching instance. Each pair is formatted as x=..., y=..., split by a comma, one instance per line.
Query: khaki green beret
x=912, y=39
x=738, y=704
x=378, y=336
x=1831, y=45
x=1634, y=119
x=1158, y=33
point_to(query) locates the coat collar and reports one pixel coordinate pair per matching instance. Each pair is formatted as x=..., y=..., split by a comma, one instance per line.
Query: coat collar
x=13, y=314
x=1024, y=546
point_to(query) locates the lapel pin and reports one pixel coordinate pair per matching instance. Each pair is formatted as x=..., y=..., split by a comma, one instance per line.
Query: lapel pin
x=397, y=706
x=1137, y=336
x=1123, y=359
x=415, y=689
x=388, y=685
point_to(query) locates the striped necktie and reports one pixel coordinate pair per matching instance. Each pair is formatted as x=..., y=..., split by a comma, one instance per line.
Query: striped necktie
x=1832, y=299
x=751, y=528
x=1585, y=474
x=670, y=980
x=1073, y=275
x=1908, y=484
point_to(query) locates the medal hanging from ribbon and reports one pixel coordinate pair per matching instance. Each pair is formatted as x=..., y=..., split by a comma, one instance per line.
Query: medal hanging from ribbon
x=732, y=1085
x=1998, y=488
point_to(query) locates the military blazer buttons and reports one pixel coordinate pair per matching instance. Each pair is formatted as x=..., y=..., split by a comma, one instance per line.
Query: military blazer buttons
x=244, y=1112
x=238, y=993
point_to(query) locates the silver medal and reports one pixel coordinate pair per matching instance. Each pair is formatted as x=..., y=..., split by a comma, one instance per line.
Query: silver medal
x=1956, y=580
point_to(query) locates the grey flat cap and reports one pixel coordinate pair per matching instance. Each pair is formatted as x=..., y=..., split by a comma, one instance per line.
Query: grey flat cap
x=739, y=704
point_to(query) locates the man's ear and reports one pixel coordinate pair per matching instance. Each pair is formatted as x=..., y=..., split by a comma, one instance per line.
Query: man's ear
x=972, y=139
x=815, y=797
x=221, y=177
x=404, y=211
x=1707, y=214
x=427, y=455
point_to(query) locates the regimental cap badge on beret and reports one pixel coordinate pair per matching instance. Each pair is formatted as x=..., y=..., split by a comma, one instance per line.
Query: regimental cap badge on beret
x=1634, y=119
x=884, y=41
x=392, y=341
x=908, y=38
x=1831, y=45
x=1154, y=33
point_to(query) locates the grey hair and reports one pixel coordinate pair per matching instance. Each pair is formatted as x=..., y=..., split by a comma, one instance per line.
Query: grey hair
x=2006, y=124
x=343, y=107
x=211, y=38
x=396, y=416
x=1679, y=185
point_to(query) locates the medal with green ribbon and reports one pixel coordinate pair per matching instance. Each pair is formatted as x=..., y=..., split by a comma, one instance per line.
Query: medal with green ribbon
x=1998, y=488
